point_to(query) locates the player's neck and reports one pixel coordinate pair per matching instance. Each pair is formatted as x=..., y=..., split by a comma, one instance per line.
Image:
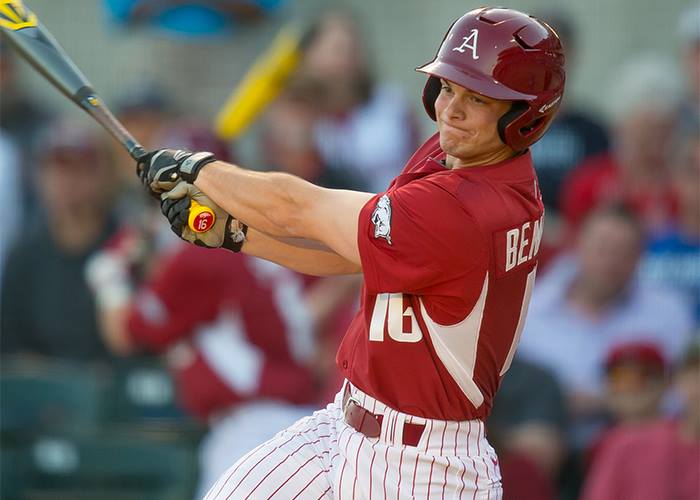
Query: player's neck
x=491, y=158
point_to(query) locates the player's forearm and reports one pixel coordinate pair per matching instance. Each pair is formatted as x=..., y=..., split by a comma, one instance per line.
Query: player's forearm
x=306, y=260
x=271, y=202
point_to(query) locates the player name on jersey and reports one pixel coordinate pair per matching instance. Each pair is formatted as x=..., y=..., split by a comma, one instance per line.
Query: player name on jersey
x=522, y=243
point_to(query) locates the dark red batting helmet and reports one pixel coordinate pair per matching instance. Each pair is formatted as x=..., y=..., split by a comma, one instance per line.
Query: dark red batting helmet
x=507, y=55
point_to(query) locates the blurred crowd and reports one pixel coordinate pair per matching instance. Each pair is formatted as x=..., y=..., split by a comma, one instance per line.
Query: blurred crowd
x=602, y=400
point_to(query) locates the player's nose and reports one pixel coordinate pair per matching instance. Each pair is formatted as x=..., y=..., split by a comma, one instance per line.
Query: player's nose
x=455, y=110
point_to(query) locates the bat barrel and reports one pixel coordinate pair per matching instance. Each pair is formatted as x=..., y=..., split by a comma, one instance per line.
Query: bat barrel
x=36, y=45
x=34, y=42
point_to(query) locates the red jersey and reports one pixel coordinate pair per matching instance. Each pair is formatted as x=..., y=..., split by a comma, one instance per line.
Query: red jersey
x=235, y=328
x=449, y=260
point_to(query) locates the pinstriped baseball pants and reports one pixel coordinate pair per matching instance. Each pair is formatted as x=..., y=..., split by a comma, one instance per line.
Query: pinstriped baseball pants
x=322, y=457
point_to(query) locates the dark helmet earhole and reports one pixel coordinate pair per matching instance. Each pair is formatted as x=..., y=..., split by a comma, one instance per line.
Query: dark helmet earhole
x=533, y=125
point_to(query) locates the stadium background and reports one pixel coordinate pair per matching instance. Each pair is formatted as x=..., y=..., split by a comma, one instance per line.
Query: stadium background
x=115, y=426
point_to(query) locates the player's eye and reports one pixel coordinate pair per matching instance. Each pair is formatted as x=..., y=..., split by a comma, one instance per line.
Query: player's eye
x=445, y=87
x=478, y=100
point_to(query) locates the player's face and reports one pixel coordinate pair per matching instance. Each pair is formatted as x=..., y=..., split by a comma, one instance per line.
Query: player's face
x=468, y=126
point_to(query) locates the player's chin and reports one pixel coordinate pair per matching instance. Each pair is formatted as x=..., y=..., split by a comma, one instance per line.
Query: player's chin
x=456, y=144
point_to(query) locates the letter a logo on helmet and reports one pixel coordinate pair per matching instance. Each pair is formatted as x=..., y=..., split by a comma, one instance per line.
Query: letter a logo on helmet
x=474, y=35
x=519, y=59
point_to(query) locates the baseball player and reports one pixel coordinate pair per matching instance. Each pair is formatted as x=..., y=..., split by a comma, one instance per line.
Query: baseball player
x=448, y=254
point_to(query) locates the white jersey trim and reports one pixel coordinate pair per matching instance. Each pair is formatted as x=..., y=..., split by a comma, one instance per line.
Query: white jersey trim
x=456, y=345
x=521, y=320
x=229, y=354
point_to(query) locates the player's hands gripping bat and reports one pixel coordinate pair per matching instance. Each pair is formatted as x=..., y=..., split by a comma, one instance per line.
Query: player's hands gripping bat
x=182, y=205
x=22, y=29
x=162, y=170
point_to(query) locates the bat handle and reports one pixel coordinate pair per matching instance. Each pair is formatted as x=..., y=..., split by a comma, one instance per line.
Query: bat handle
x=136, y=151
x=201, y=219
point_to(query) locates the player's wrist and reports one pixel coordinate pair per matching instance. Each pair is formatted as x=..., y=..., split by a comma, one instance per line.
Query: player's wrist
x=190, y=166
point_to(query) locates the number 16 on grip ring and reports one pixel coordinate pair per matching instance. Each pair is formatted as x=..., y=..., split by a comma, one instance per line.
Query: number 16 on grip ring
x=201, y=217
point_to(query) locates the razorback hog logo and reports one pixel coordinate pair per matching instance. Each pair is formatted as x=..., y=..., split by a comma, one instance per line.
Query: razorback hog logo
x=381, y=218
x=469, y=43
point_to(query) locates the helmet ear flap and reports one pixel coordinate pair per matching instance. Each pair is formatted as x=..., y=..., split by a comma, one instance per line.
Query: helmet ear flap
x=515, y=111
x=430, y=94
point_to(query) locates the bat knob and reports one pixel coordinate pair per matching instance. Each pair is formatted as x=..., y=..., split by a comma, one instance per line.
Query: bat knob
x=201, y=218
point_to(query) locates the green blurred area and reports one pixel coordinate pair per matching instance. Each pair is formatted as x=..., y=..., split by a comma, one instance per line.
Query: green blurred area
x=79, y=431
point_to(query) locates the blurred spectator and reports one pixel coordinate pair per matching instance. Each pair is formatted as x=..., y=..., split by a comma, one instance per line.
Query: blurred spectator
x=527, y=427
x=22, y=121
x=237, y=336
x=363, y=128
x=635, y=383
x=145, y=111
x=591, y=301
x=689, y=34
x=47, y=307
x=636, y=171
x=673, y=256
x=10, y=196
x=574, y=135
x=634, y=388
x=658, y=460
x=287, y=143
x=529, y=415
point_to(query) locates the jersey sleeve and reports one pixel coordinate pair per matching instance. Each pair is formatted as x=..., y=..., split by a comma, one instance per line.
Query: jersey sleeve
x=418, y=239
x=182, y=294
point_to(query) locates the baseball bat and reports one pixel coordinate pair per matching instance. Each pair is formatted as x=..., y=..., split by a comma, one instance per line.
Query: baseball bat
x=22, y=29
x=261, y=84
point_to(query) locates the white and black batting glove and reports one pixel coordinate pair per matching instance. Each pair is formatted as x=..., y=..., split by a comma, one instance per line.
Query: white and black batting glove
x=161, y=170
x=226, y=232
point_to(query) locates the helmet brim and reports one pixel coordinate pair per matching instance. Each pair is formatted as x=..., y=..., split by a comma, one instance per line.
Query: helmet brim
x=474, y=81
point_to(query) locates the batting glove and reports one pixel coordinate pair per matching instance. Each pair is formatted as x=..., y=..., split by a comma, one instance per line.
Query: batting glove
x=161, y=170
x=226, y=232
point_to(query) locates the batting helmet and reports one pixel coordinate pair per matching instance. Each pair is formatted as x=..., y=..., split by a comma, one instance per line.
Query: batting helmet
x=507, y=55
